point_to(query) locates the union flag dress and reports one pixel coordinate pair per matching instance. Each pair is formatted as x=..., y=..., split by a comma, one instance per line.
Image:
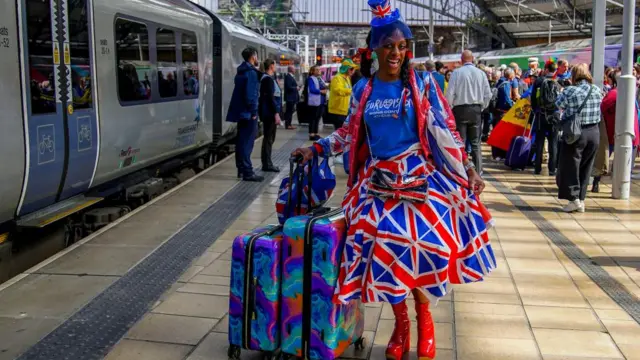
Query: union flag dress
x=394, y=246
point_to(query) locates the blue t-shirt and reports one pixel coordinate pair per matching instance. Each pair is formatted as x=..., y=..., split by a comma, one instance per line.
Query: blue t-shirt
x=392, y=128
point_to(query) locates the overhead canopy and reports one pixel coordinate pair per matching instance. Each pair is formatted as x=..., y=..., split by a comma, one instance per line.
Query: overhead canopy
x=536, y=18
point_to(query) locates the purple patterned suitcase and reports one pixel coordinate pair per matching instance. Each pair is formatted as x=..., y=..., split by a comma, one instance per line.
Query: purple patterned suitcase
x=313, y=327
x=254, y=302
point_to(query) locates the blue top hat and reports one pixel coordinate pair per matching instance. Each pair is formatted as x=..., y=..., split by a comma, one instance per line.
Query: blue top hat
x=386, y=24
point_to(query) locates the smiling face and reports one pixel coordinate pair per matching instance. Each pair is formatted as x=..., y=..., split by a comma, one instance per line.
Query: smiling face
x=391, y=56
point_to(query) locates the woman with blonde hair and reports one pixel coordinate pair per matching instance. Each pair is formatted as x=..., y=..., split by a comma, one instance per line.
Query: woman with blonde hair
x=577, y=156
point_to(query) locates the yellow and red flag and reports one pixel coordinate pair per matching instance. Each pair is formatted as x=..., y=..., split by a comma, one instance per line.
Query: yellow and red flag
x=514, y=123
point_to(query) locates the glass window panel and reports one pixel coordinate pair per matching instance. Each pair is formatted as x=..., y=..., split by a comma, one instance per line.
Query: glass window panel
x=167, y=63
x=80, y=55
x=41, y=66
x=190, y=71
x=132, y=57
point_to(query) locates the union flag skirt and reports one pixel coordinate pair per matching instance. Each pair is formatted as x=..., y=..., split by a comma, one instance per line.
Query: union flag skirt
x=395, y=246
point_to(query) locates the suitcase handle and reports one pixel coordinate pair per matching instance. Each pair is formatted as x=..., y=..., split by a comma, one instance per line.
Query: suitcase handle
x=294, y=163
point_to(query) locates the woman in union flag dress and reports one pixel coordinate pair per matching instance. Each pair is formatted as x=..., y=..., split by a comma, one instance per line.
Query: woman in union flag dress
x=416, y=224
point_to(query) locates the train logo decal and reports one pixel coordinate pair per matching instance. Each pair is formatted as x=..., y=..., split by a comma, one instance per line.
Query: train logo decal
x=129, y=151
x=84, y=133
x=46, y=144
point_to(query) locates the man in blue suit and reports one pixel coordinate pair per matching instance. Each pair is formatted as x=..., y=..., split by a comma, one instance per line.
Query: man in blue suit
x=291, y=97
x=244, y=111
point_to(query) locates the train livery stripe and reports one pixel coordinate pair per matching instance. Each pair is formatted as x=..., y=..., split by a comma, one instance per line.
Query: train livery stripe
x=25, y=111
x=95, y=88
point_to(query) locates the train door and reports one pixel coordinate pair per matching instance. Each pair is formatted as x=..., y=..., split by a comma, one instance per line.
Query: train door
x=57, y=73
x=81, y=122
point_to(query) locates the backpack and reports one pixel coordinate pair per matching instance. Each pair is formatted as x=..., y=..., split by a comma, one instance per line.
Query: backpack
x=493, y=103
x=548, y=94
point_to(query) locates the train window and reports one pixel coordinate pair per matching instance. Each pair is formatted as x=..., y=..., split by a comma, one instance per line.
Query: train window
x=167, y=63
x=132, y=57
x=41, y=65
x=80, y=56
x=190, y=71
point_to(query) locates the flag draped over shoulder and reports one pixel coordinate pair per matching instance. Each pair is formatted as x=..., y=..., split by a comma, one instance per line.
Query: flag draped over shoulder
x=513, y=123
x=447, y=155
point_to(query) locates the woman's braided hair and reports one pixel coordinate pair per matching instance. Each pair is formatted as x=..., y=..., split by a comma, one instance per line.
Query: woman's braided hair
x=366, y=64
x=405, y=69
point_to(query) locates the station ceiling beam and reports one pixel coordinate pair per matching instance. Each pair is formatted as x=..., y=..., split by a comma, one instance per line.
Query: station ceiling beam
x=495, y=32
x=554, y=16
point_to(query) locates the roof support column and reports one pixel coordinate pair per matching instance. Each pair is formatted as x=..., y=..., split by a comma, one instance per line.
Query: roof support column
x=597, y=41
x=625, y=108
x=431, y=30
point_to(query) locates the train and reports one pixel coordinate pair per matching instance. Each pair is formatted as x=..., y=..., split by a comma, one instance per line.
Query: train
x=99, y=96
x=574, y=51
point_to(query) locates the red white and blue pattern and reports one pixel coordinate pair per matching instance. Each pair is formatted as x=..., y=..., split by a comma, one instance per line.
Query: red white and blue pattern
x=381, y=9
x=394, y=246
x=447, y=154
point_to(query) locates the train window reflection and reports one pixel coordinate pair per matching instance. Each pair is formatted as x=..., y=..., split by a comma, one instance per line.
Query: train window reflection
x=80, y=57
x=42, y=79
x=132, y=57
x=190, y=71
x=167, y=63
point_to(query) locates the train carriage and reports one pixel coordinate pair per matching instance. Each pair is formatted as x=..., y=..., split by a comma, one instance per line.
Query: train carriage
x=98, y=95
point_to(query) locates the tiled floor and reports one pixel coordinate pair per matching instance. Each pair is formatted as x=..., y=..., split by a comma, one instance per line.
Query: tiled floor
x=537, y=305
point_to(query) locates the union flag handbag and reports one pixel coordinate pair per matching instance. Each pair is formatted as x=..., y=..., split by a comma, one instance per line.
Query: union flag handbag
x=386, y=184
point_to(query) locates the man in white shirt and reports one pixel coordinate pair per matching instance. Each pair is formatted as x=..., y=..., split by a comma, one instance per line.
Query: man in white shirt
x=468, y=94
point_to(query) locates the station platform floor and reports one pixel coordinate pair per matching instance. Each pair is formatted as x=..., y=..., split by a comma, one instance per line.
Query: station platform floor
x=155, y=284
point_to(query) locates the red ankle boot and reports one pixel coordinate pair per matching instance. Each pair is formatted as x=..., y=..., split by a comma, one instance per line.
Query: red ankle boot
x=426, y=333
x=400, y=343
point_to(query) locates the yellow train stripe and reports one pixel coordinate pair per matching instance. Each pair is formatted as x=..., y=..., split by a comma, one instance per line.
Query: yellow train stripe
x=69, y=212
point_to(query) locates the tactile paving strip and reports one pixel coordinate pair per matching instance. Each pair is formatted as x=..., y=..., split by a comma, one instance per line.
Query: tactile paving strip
x=97, y=327
x=612, y=287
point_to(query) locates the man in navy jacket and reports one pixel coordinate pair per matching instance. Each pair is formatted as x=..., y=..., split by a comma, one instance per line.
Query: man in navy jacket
x=291, y=96
x=244, y=111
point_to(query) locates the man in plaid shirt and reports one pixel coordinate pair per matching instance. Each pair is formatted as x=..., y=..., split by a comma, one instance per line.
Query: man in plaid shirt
x=576, y=160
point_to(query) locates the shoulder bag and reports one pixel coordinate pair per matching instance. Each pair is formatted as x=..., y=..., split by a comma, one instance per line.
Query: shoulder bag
x=572, y=126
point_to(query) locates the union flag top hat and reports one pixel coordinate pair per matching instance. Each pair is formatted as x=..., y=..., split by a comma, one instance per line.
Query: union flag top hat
x=387, y=25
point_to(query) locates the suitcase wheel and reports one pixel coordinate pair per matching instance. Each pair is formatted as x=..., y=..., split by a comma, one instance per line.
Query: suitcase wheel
x=359, y=344
x=271, y=355
x=234, y=352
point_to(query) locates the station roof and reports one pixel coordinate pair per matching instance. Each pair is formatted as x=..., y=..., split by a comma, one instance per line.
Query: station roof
x=531, y=18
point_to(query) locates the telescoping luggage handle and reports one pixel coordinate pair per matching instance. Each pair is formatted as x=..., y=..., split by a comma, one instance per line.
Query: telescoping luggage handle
x=294, y=162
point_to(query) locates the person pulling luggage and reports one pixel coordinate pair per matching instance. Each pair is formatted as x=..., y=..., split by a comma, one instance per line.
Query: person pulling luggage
x=397, y=240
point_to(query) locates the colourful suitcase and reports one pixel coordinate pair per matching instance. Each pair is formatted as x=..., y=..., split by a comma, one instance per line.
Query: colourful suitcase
x=313, y=327
x=254, y=303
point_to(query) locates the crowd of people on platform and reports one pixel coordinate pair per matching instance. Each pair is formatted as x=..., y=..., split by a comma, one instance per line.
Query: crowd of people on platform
x=481, y=95
x=414, y=134
x=257, y=96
